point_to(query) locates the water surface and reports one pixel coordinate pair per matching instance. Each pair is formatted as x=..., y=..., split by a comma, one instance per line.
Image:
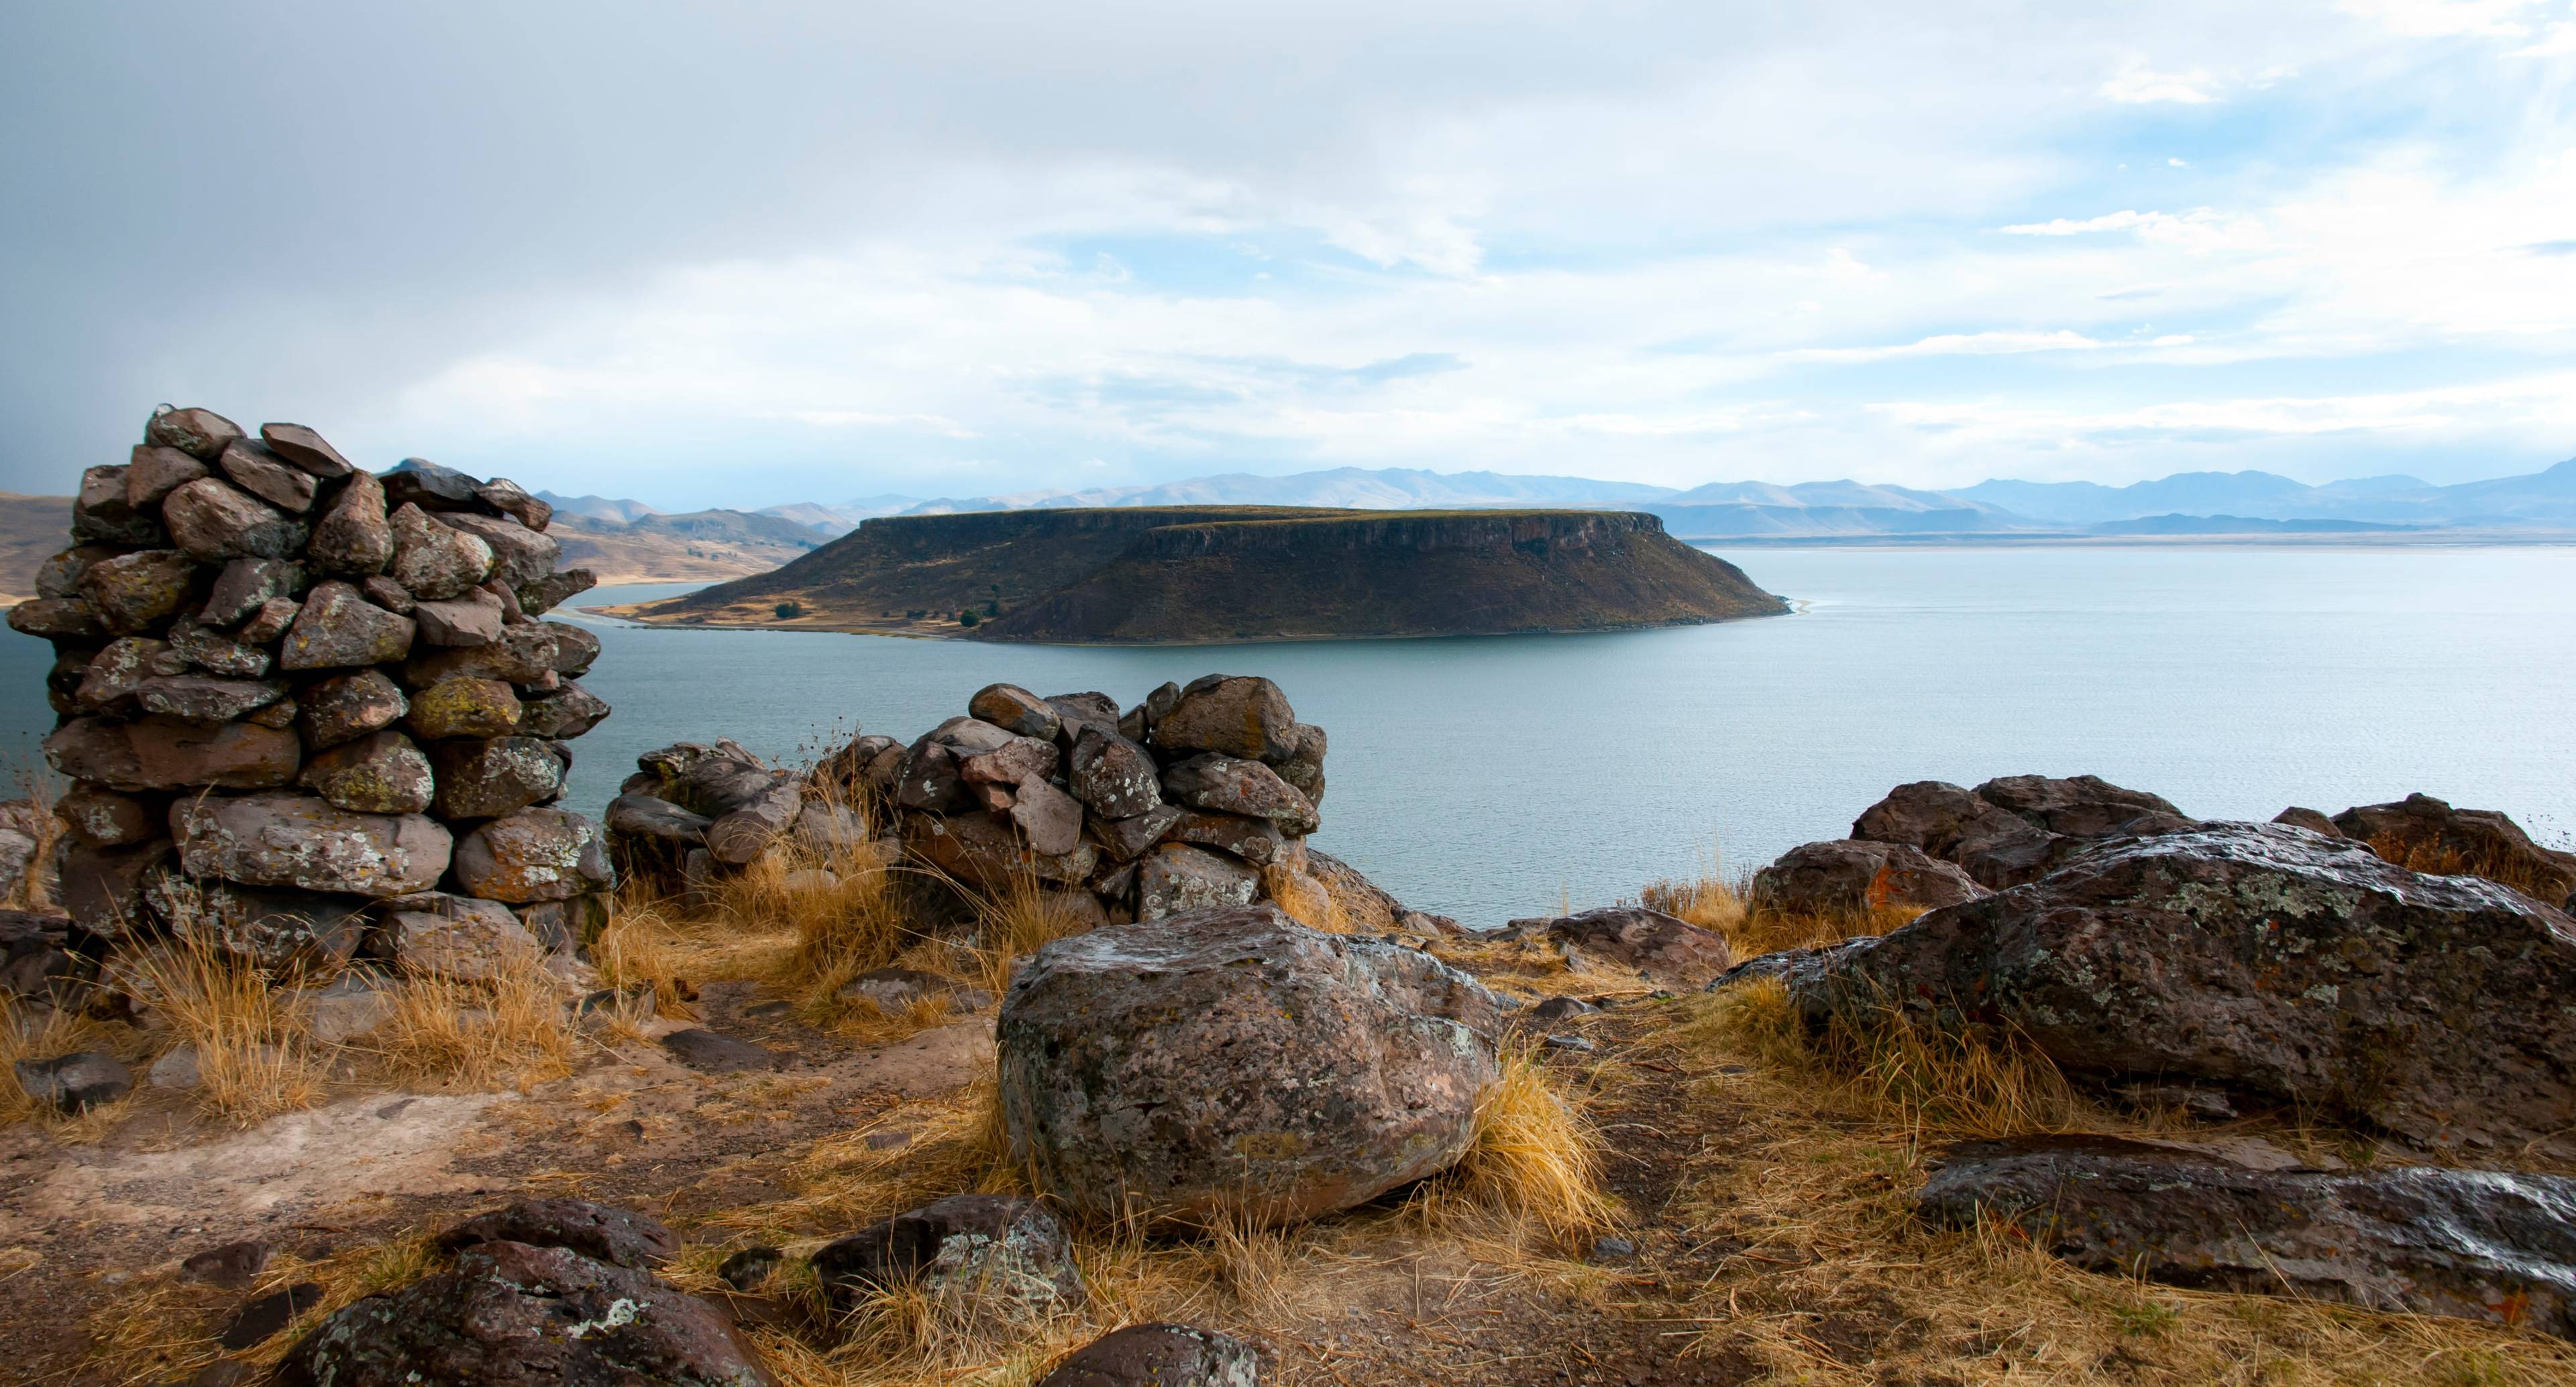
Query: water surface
x=1490, y=777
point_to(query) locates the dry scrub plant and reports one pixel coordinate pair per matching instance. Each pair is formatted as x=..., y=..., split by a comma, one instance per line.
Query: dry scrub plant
x=1725, y=905
x=253, y=1057
x=511, y=1030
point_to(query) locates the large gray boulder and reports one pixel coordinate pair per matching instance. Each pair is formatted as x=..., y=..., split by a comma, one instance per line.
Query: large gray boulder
x=2255, y=957
x=513, y=1315
x=303, y=841
x=1849, y=875
x=2475, y=1244
x=1235, y=1063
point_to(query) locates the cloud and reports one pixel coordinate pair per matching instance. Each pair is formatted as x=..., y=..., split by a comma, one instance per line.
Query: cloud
x=2138, y=85
x=2201, y=229
x=1956, y=344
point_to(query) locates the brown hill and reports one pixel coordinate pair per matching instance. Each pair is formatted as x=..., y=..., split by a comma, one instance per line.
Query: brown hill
x=1182, y=575
x=32, y=530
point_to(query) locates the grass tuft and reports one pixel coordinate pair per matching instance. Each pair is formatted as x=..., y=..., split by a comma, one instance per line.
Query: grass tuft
x=509, y=1031
x=1535, y=1154
x=253, y=1057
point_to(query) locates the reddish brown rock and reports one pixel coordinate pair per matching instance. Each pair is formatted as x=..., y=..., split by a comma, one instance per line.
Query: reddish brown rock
x=354, y=537
x=243, y=586
x=1232, y=785
x=1158, y=1355
x=596, y=1231
x=1849, y=875
x=286, y=839
x=202, y=698
x=523, y=655
x=139, y=591
x=200, y=433
x=152, y=473
x=166, y=754
x=214, y=521
x=513, y=500
x=569, y=711
x=338, y=628
x=443, y=936
x=520, y=555
x=1291, y=1073
x=533, y=855
x=103, y=889
x=986, y=851
x=58, y=618
x=350, y=705
x=1230, y=715
x=436, y=561
x=270, y=623
x=1050, y=818
x=110, y=678
x=1659, y=945
x=216, y=652
x=1114, y=777
x=473, y=619
x=575, y=649
x=304, y=448
x=102, y=818
x=2425, y=834
x=102, y=514
x=252, y=467
x=1257, y=841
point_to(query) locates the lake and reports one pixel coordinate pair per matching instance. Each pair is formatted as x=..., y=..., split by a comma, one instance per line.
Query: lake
x=1491, y=777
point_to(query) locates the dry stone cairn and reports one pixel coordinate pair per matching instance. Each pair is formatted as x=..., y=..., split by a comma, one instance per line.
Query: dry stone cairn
x=1194, y=797
x=310, y=712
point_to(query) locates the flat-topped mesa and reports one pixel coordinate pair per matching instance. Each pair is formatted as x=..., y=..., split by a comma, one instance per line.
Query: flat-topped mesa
x=1180, y=576
x=312, y=713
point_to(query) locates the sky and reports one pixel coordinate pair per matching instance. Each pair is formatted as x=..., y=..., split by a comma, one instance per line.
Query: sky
x=766, y=252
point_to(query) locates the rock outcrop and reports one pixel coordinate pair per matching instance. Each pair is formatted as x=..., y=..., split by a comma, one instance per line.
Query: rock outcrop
x=289, y=711
x=2475, y=1244
x=1231, y=1062
x=2428, y=835
x=1849, y=876
x=1660, y=946
x=2014, y=828
x=2259, y=958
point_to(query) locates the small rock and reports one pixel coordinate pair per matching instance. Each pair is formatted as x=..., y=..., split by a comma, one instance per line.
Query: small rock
x=337, y=628
x=152, y=473
x=214, y=521
x=260, y=1320
x=1569, y=1044
x=749, y=1268
x=465, y=707
x=1560, y=1008
x=473, y=619
x=486, y=778
x=75, y=1083
x=434, y=561
x=380, y=773
x=460, y=937
x=715, y=1053
x=349, y=1007
x=354, y=538
x=178, y=1069
x=264, y=474
x=139, y=591
x=200, y=433
x=1635, y=937
x=980, y=1254
x=1014, y=709
x=233, y=1265
x=349, y=706
x=305, y=449
x=1158, y=1355
x=618, y=1237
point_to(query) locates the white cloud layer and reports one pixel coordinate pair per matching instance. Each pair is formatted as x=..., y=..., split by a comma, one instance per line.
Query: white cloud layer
x=721, y=258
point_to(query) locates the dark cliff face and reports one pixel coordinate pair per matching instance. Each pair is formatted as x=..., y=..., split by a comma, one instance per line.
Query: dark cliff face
x=1188, y=575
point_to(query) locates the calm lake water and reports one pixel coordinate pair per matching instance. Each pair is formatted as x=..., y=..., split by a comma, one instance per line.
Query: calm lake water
x=1499, y=776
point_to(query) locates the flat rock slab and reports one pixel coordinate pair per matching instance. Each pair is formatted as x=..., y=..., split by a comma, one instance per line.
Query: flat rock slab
x=2473, y=1244
x=714, y=1052
x=619, y=1237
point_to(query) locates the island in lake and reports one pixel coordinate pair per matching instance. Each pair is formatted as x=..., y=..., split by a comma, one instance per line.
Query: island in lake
x=1185, y=575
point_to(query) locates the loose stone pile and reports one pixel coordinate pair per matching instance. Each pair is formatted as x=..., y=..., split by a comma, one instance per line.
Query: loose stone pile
x=310, y=712
x=1195, y=797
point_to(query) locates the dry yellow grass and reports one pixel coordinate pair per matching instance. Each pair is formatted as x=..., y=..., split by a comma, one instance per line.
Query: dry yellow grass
x=253, y=1057
x=509, y=1031
x=1725, y=905
x=37, y=784
x=1535, y=1154
x=31, y=1033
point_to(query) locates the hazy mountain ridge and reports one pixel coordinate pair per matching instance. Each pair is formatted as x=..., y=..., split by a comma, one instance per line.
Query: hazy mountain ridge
x=2545, y=499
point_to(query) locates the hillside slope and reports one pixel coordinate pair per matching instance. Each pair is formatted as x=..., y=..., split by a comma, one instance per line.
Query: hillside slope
x=1180, y=575
x=694, y=547
x=32, y=528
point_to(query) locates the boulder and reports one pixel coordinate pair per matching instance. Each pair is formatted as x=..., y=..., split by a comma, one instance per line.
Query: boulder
x=285, y=839
x=473, y=619
x=275, y=930
x=596, y=1231
x=1232, y=1062
x=139, y=591
x=2425, y=834
x=354, y=536
x=486, y=778
x=2028, y=826
x=102, y=818
x=1114, y=777
x=108, y=683
x=464, y=706
x=1304, y=768
x=1127, y=839
x=1050, y=818
x=200, y=433
x=380, y=773
x=1232, y=716
x=2083, y=806
x=569, y=711
x=202, y=698
x=523, y=655
x=533, y=855
x=512, y=1315
x=103, y=890
x=101, y=513
x=985, y=851
x=302, y=447
x=511, y=499
x=575, y=649
x=1849, y=875
x=2309, y=819
x=75, y=1083
x=270, y=622
x=520, y=555
x=214, y=521
x=1650, y=941
x=420, y=482
x=1014, y=709
x=1232, y=785
x=756, y=820
x=442, y=936
x=337, y=628
x=1175, y=878
x=2257, y=958
x=152, y=473
x=2472, y=1244
x=57, y=619
x=434, y=561
x=162, y=753
x=979, y=1256
x=554, y=589
x=1158, y=1355
x=252, y=467
x=348, y=706
x=243, y=586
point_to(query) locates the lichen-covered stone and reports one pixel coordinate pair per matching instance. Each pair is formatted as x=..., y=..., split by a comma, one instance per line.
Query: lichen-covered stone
x=251, y=466
x=1158, y=1355
x=213, y=520
x=569, y=711
x=458, y=937
x=205, y=698
x=602, y=1233
x=120, y=667
x=270, y=623
x=200, y=433
x=993, y=1258
x=987, y=851
x=303, y=841
x=243, y=586
x=215, y=652
x=152, y=473
x=1231, y=715
x=465, y=707
x=1015, y=709
x=1114, y=777
x=1174, y=878
x=436, y=561
x=511, y=499
x=103, y=818
x=104, y=889
x=2256, y=958
x=57, y=618
x=473, y=619
x=1232, y=1063
x=485, y=778
x=512, y=1315
x=1661, y=946
x=1233, y=785
x=160, y=753
x=520, y=555
x=379, y=773
x=139, y=591
x=533, y=855
x=102, y=514
x=523, y=655
x=338, y=628
x=354, y=538
x=349, y=705
x=278, y=930
x=553, y=590
x=1849, y=875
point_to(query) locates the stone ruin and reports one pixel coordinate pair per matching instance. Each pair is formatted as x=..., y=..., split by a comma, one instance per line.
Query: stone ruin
x=1197, y=796
x=312, y=713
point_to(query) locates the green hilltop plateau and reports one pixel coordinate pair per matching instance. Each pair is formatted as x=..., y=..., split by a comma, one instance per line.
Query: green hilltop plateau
x=1183, y=575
